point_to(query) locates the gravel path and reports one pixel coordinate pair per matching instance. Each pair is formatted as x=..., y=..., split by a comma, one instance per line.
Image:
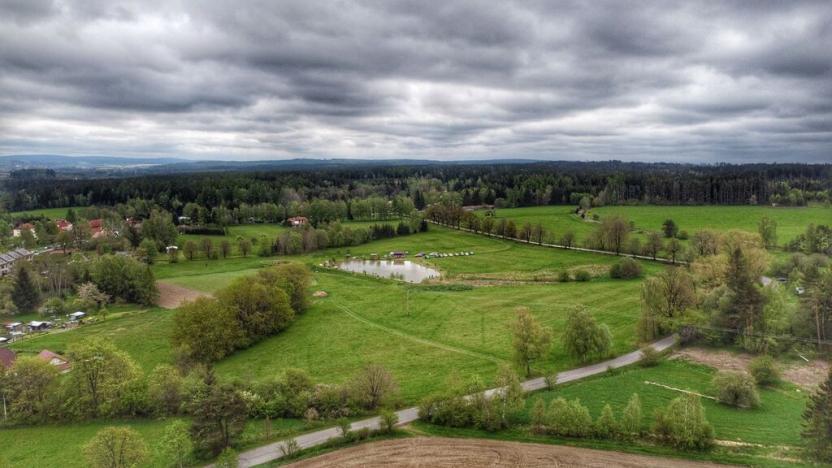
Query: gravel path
x=273, y=451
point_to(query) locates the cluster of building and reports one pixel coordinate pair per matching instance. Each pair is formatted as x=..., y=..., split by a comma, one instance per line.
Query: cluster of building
x=8, y=259
x=16, y=330
x=96, y=226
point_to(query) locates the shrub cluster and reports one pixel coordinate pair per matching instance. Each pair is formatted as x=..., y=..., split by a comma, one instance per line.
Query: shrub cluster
x=764, y=370
x=467, y=406
x=241, y=314
x=572, y=419
x=627, y=268
x=736, y=389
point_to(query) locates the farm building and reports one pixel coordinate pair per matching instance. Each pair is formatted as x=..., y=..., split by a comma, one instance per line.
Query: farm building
x=14, y=326
x=54, y=359
x=18, y=231
x=398, y=254
x=8, y=259
x=7, y=358
x=297, y=221
x=36, y=325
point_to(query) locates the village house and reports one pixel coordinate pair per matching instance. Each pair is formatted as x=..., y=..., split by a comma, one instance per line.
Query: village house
x=63, y=225
x=7, y=358
x=60, y=362
x=297, y=221
x=8, y=259
x=18, y=231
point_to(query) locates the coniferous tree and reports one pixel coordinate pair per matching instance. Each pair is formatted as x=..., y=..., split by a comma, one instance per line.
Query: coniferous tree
x=25, y=294
x=817, y=422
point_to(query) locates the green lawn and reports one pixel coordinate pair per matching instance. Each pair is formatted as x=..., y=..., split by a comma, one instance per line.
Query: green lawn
x=142, y=333
x=791, y=221
x=62, y=444
x=772, y=430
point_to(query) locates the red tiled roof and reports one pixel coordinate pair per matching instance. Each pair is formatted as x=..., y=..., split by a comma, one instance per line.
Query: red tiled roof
x=7, y=357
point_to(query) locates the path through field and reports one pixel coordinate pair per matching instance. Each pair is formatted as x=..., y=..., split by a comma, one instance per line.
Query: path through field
x=274, y=450
x=463, y=453
x=172, y=296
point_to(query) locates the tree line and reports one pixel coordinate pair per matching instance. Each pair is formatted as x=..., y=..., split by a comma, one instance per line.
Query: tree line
x=544, y=183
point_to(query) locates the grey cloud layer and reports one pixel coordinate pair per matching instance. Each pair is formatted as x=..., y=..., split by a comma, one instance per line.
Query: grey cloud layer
x=712, y=81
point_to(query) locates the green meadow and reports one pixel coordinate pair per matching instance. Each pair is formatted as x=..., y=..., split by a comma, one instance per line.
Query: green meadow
x=766, y=436
x=791, y=221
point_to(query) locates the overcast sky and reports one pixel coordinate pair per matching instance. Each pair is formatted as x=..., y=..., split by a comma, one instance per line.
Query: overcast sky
x=673, y=81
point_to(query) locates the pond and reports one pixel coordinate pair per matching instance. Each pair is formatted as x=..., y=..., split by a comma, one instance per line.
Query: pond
x=397, y=269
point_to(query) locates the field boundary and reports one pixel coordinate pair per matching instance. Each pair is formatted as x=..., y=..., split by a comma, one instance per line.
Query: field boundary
x=664, y=260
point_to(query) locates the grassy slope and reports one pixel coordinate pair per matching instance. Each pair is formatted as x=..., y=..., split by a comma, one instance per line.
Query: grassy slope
x=142, y=333
x=775, y=424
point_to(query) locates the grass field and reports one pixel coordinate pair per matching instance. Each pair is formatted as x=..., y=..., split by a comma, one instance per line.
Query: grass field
x=424, y=335
x=757, y=436
x=790, y=221
x=143, y=333
x=62, y=444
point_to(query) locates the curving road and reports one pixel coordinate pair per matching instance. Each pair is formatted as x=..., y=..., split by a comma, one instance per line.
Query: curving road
x=273, y=451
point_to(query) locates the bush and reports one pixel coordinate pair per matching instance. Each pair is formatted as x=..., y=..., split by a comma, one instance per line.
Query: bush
x=627, y=268
x=582, y=275
x=564, y=277
x=683, y=425
x=631, y=418
x=290, y=448
x=764, y=370
x=606, y=427
x=228, y=459
x=736, y=389
x=649, y=357
x=568, y=418
x=583, y=338
x=388, y=422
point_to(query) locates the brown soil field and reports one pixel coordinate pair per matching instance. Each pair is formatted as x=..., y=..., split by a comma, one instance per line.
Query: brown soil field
x=172, y=296
x=463, y=453
x=805, y=374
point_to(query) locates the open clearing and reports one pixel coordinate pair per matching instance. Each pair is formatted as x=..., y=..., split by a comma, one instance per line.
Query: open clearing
x=172, y=296
x=450, y=452
x=805, y=374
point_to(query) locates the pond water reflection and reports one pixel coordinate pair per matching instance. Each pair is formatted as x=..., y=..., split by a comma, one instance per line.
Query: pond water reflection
x=397, y=269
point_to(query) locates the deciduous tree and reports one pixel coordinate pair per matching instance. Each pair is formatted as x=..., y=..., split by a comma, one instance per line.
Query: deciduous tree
x=530, y=340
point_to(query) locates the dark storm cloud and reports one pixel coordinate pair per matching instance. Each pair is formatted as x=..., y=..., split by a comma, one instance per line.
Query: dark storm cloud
x=711, y=81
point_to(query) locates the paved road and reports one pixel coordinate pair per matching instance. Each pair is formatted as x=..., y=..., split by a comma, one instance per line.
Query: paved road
x=273, y=451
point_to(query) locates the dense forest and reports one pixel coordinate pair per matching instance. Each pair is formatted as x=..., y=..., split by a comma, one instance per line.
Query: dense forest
x=504, y=185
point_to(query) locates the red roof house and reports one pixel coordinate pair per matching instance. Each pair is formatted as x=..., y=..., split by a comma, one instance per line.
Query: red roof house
x=55, y=359
x=298, y=221
x=63, y=225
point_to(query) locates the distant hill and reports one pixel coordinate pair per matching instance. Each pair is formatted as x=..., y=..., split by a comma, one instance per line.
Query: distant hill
x=157, y=165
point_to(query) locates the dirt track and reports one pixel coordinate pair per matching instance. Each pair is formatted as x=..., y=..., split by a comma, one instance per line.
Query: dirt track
x=172, y=296
x=463, y=453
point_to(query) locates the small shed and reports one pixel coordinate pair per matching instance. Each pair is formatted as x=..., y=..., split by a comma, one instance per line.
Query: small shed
x=36, y=325
x=171, y=249
x=14, y=326
x=78, y=315
x=398, y=254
